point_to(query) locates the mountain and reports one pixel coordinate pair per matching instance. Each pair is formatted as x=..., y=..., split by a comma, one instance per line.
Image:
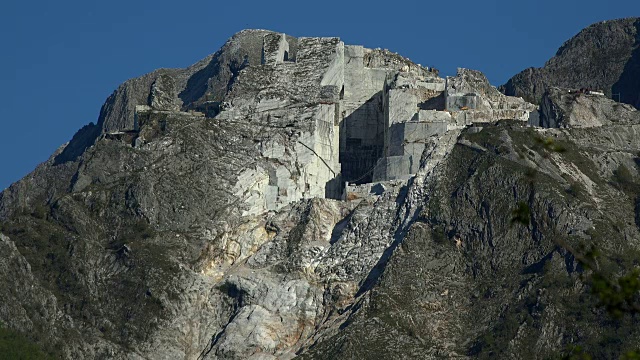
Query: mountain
x=604, y=56
x=303, y=197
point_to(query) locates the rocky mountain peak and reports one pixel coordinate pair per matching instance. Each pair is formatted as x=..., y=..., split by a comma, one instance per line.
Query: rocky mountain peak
x=290, y=197
x=604, y=56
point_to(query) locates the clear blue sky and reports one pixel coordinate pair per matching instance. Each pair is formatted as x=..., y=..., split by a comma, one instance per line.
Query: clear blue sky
x=61, y=59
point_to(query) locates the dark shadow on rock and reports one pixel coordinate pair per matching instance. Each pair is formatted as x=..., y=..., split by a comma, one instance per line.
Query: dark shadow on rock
x=403, y=192
x=359, y=151
x=334, y=188
x=339, y=228
x=377, y=189
x=434, y=103
x=198, y=83
x=628, y=85
x=213, y=82
x=234, y=69
x=538, y=267
x=83, y=139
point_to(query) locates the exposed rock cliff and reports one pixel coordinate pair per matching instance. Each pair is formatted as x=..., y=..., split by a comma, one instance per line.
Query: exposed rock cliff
x=464, y=281
x=569, y=108
x=290, y=197
x=604, y=56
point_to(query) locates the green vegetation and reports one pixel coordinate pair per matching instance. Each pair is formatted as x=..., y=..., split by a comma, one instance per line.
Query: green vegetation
x=623, y=180
x=615, y=287
x=46, y=246
x=576, y=190
x=58, y=244
x=438, y=235
x=549, y=145
x=15, y=346
x=605, y=315
x=619, y=297
x=521, y=214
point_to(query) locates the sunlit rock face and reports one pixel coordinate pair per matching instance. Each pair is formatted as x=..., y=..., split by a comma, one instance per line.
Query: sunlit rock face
x=575, y=108
x=292, y=197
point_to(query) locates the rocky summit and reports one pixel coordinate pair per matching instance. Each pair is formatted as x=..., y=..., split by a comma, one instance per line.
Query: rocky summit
x=301, y=197
x=604, y=56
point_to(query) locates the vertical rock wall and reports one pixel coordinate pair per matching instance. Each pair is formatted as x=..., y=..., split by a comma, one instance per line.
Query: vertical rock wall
x=299, y=101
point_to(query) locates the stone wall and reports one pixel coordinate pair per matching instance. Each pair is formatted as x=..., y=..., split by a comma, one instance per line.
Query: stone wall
x=362, y=124
x=404, y=136
x=395, y=168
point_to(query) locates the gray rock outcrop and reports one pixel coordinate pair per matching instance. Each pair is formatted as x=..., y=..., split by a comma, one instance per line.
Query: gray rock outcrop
x=302, y=197
x=604, y=56
x=567, y=108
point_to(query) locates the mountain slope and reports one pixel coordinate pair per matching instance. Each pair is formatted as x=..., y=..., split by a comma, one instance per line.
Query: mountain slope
x=465, y=281
x=604, y=56
x=300, y=196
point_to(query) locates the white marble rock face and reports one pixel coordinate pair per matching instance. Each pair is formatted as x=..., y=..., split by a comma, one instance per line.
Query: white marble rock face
x=328, y=97
x=276, y=174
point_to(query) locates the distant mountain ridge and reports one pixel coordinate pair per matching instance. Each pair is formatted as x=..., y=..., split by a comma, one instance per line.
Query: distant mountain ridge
x=604, y=56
